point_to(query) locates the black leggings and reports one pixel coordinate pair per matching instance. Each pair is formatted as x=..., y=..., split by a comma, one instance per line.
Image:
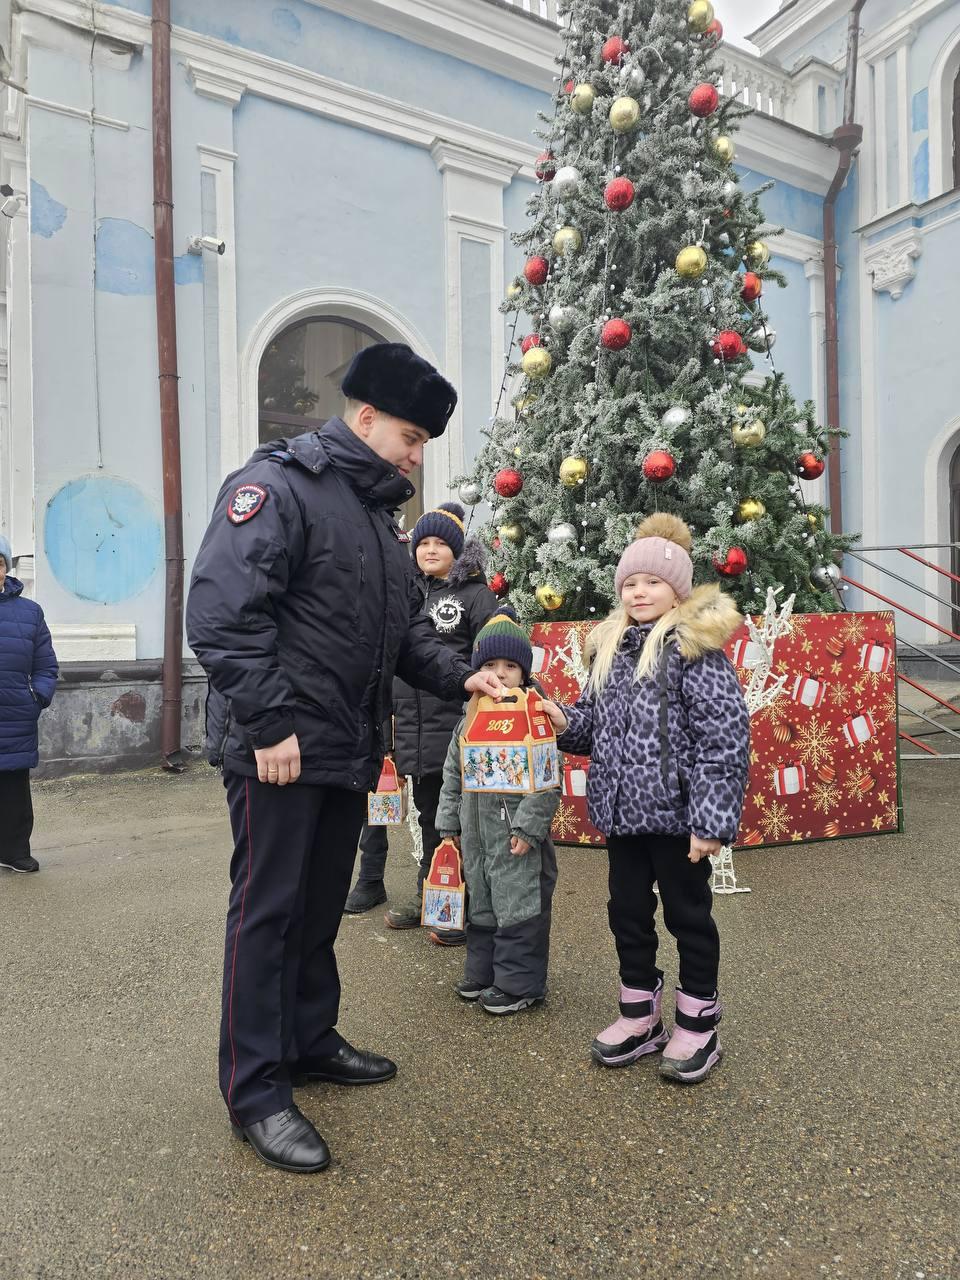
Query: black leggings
x=635, y=863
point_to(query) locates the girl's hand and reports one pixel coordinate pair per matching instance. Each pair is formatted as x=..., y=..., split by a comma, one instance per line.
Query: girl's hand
x=518, y=847
x=703, y=848
x=555, y=715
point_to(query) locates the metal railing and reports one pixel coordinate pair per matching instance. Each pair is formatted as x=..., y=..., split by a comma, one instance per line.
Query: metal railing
x=948, y=606
x=547, y=9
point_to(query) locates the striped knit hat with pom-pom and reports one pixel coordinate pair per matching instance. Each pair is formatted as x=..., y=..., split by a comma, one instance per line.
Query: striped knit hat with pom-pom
x=661, y=548
x=445, y=522
x=503, y=637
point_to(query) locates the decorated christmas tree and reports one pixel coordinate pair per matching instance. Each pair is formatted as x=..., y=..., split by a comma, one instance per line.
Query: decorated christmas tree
x=647, y=266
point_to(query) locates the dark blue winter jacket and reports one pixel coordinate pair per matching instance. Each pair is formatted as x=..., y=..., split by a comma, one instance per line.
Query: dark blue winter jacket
x=28, y=676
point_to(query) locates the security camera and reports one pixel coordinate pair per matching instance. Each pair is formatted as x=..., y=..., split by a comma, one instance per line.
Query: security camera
x=11, y=206
x=197, y=244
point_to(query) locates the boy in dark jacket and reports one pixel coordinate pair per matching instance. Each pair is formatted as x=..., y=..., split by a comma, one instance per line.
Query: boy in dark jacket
x=458, y=602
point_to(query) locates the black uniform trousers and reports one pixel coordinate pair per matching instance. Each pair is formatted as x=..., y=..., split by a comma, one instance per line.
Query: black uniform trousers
x=294, y=849
x=635, y=863
x=16, y=806
x=373, y=841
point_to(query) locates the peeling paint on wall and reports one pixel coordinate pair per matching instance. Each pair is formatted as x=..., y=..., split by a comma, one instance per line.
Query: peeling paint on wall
x=288, y=24
x=102, y=538
x=125, y=260
x=47, y=215
x=132, y=706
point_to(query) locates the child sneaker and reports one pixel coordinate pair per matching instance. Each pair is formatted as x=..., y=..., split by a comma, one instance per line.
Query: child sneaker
x=639, y=1029
x=693, y=1050
x=493, y=1000
x=470, y=989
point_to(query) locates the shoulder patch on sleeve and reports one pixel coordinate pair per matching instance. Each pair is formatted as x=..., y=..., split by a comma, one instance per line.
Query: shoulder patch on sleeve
x=246, y=501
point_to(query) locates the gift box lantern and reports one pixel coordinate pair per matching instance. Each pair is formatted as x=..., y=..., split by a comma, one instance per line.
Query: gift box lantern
x=387, y=806
x=509, y=746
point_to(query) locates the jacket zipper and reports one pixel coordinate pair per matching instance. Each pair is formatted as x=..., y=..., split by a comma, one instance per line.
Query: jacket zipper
x=33, y=692
x=362, y=569
x=222, y=749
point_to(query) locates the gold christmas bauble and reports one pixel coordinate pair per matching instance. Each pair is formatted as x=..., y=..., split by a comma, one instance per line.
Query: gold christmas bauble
x=750, y=509
x=510, y=532
x=813, y=520
x=624, y=114
x=724, y=149
x=757, y=254
x=566, y=240
x=699, y=16
x=573, y=471
x=742, y=410
x=514, y=289
x=537, y=363
x=525, y=403
x=747, y=435
x=582, y=99
x=691, y=262
x=549, y=597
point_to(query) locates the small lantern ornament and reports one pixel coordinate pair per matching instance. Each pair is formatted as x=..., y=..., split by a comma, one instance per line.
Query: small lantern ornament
x=616, y=335
x=691, y=262
x=624, y=114
x=618, y=194
x=732, y=564
x=614, y=50
x=704, y=100
x=659, y=466
x=573, y=472
x=809, y=466
x=536, y=270
x=537, y=363
x=508, y=482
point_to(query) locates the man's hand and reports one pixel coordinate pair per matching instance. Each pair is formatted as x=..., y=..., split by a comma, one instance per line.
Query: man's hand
x=702, y=848
x=279, y=763
x=555, y=715
x=518, y=847
x=485, y=682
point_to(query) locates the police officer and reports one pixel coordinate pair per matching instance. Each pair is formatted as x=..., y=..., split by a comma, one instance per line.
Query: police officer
x=301, y=609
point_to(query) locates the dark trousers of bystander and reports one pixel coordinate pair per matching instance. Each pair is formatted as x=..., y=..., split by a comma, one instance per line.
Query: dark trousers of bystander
x=636, y=862
x=16, y=805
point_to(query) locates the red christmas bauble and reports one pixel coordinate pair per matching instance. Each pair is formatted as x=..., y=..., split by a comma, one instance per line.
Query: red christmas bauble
x=615, y=335
x=715, y=30
x=531, y=340
x=704, y=100
x=752, y=287
x=619, y=194
x=499, y=585
x=732, y=564
x=536, y=270
x=569, y=86
x=546, y=167
x=728, y=345
x=809, y=466
x=614, y=50
x=659, y=466
x=508, y=482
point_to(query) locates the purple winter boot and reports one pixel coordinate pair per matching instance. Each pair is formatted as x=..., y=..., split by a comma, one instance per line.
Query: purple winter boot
x=693, y=1050
x=637, y=1031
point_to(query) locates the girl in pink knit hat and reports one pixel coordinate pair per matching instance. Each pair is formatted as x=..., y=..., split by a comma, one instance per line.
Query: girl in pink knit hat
x=664, y=721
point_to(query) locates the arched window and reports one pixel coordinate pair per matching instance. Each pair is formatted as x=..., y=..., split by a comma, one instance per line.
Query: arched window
x=955, y=536
x=299, y=381
x=956, y=130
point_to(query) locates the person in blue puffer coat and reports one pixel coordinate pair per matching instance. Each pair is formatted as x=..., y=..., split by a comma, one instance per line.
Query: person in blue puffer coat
x=28, y=678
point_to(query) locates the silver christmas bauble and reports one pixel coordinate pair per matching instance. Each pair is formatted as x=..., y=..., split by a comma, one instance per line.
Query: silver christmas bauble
x=825, y=576
x=562, y=533
x=562, y=318
x=566, y=182
x=676, y=416
x=469, y=493
x=729, y=189
x=632, y=79
x=761, y=340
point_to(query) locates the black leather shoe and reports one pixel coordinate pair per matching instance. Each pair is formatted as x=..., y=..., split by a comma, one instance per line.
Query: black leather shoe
x=287, y=1141
x=346, y=1066
x=364, y=896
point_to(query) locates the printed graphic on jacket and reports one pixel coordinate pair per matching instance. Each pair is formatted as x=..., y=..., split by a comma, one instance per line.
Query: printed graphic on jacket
x=446, y=613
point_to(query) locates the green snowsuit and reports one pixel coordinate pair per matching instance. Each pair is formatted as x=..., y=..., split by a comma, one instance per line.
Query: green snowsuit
x=508, y=931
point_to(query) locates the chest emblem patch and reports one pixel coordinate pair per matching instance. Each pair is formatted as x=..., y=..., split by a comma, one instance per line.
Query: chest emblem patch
x=446, y=613
x=245, y=503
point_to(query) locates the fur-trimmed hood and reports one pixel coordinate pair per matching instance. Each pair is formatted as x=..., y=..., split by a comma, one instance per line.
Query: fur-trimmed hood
x=472, y=563
x=705, y=620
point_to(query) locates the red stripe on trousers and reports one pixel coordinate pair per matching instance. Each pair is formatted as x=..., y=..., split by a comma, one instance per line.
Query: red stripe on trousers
x=236, y=947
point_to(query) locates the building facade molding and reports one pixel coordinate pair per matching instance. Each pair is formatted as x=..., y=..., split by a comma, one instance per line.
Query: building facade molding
x=891, y=264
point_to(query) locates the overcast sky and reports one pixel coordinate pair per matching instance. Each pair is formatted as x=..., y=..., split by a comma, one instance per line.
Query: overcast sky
x=740, y=16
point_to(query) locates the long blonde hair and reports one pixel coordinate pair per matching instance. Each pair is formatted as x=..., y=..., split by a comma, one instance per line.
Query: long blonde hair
x=606, y=638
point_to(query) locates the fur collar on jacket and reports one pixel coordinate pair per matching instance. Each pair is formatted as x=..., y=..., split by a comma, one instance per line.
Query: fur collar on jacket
x=705, y=620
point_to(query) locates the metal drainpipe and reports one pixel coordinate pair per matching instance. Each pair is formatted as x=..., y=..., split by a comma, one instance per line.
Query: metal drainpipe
x=846, y=138
x=170, y=743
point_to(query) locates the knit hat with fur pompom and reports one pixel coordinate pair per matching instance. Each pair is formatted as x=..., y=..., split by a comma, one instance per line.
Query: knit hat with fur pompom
x=661, y=548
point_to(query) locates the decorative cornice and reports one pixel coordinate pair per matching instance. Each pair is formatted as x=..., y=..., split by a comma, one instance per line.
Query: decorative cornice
x=213, y=84
x=473, y=164
x=891, y=262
